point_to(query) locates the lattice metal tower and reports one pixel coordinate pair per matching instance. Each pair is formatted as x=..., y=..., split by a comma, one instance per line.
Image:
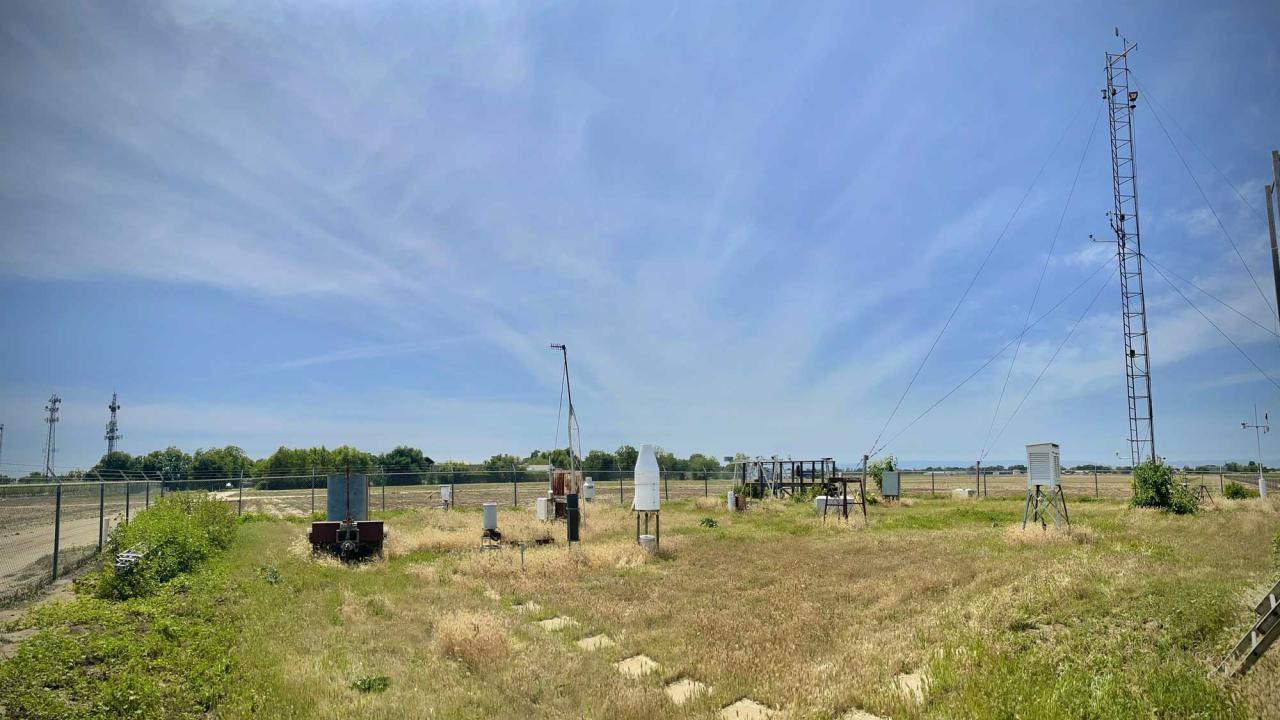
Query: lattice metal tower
x=1121, y=101
x=50, y=447
x=113, y=428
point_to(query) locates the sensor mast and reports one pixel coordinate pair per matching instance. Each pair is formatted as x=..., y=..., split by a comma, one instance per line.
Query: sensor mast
x=1121, y=101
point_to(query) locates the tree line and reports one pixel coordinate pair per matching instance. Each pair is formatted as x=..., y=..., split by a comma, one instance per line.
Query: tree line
x=403, y=465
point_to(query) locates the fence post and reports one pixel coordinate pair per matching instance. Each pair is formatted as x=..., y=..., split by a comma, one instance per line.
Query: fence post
x=621, y=500
x=706, y=483
x=1221, y=486
x=666, y=487
x=240, y=496
x=313, y=493
x=1095, y=483
x=515, y=492
x=933, y=485
x=384, y=492
x=57, y=528
x=128, y=489
x=147, y=500
x=102, y=506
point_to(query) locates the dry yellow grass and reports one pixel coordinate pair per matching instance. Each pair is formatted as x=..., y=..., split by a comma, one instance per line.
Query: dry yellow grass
x=475, y=638
x=773, y=604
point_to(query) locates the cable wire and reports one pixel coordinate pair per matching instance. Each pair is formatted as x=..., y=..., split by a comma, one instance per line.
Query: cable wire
x=990, y=360
x=1146, y=257
x=972, y=281
x=1044, y=269
x=1203, y=154
x=1053, y=357
x=1221, y=332
x=1209, y=204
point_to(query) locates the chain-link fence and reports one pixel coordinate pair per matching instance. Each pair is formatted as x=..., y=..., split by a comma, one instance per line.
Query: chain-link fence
x=50, y=529
x=1102, y=484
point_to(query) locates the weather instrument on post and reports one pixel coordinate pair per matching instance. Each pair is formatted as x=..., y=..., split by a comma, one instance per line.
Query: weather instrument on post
x=1258, y=429
x=566, y=486
x=1121, y=101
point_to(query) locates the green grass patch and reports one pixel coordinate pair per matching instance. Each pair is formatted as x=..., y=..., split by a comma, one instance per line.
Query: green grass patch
x=152, y=642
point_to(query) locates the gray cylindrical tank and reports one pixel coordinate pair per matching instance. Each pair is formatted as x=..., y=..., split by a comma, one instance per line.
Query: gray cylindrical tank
x=348, y=499
x=490, y=516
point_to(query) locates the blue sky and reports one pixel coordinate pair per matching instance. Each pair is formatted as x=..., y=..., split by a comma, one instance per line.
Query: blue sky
x=318, y=223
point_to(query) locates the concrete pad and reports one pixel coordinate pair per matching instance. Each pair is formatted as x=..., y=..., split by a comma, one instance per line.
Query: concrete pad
x=596, y=642
x=529, y=607
x=685, y=689
x=912, y=685
x=636, y=666
x=962, y=493
x=748, y=709
x=559, y=622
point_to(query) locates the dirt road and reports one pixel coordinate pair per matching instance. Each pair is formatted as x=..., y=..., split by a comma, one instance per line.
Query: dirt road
x=27, y=551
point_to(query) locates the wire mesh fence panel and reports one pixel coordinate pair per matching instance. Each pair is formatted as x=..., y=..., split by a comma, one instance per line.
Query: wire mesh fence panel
x=26, y=544
x=1250, y=481
x=80, y=524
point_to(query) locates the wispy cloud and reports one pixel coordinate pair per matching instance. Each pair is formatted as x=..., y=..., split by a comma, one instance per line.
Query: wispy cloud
x=748, y=227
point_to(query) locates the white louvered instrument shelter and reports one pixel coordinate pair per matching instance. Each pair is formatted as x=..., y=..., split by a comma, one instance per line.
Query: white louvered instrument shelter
x=1043, y=465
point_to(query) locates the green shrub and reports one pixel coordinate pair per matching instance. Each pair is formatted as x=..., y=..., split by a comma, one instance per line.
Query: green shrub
x=163, y=656
x=1236, y=491
x=806, y=496
x=877, y=468
x=174, y=535
x=750, y=490
x=1155, y=486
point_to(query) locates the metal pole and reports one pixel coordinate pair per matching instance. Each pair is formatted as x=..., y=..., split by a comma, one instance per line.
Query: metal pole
x=102, y=506
x=128, y=488
x=57, y=528
x=515, y=492
x=621, y=500
x=1271, y=191
x=706, y=483
x=240, y=499
x=1095, y=483
x=864, y=487
x=147, y=498
x=384, y=492
x=313, y=493
x=978, y=474
x=1257, y=432
x=1221, y=483
x=569, y=417
x=666, y=486
x=933, y=485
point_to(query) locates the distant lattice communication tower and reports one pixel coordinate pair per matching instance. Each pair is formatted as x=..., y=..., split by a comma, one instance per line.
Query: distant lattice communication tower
x=1121, y=101
x=50, y=446
x=113, y=428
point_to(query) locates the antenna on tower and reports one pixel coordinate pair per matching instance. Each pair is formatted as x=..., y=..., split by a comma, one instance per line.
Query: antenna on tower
x=1121, y=102
x=50, y=447
x=113, y=428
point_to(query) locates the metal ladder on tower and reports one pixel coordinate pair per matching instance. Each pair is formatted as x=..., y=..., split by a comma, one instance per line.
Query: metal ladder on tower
x=1121, y=101
x=1260, y=637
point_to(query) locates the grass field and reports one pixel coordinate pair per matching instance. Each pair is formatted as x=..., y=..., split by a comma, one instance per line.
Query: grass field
x=1123, y=617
